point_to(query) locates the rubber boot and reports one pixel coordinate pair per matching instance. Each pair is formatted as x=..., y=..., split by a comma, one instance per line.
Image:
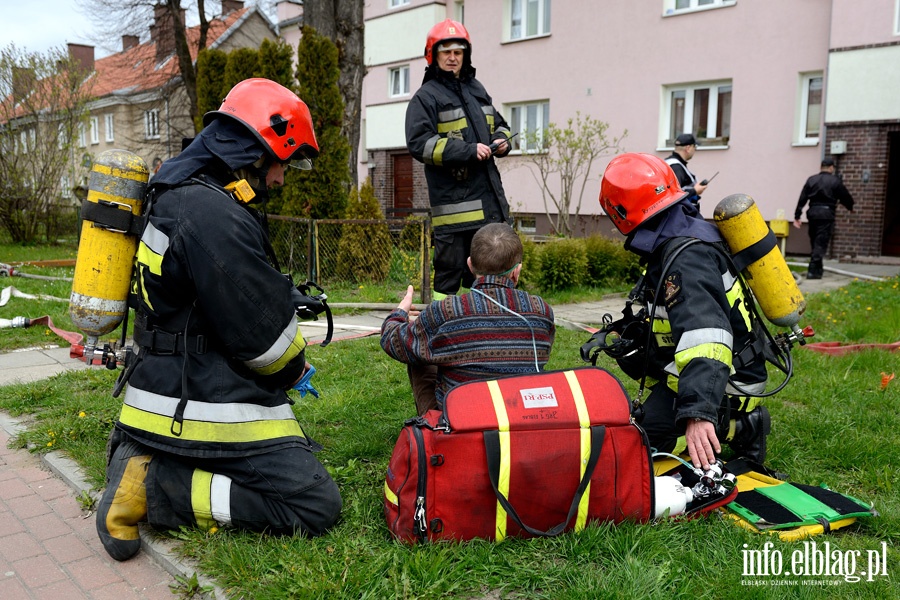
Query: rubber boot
x=124, y=502
x=750, y=433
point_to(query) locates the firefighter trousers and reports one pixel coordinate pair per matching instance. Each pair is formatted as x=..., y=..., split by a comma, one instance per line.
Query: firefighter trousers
x=283, y=492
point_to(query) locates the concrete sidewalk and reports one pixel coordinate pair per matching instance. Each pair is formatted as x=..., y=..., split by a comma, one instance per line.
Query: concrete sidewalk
x=49, y=545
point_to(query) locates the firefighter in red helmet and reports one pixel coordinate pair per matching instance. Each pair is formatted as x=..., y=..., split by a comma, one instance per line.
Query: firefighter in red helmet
x=453, y=128
x=704, y=364
x=207, y=435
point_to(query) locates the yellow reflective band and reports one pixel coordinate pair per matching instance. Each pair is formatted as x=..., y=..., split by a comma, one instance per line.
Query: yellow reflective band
x=732, y=425
x=205, y=431
x=457, y=125
x=136, y=175
x=490, y=122
x=584, y=422
x=680, y=446
x=736, y=295
x=437, y=156
x=144, y=295
x=149, y=258
x=717, y=352
x=201, y=499
x=454, y=219
x=503, y=482
x=390, y=496
x=294, y=348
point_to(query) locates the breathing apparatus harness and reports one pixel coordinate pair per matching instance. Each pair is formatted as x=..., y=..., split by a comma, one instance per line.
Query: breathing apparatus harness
x=630, y=340
x=307, y=305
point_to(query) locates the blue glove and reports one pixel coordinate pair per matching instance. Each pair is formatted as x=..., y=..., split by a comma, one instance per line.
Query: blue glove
x=303, y=386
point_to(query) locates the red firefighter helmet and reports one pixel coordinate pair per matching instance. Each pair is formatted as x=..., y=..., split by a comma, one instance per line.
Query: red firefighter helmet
x=635, y=187
x=443, y=31
x=278, y=118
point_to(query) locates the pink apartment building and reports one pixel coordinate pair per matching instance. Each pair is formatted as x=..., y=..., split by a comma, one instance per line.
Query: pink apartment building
x=768, y=87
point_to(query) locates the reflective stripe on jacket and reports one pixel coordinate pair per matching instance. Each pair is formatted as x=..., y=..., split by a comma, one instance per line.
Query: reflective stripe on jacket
x=445, y=120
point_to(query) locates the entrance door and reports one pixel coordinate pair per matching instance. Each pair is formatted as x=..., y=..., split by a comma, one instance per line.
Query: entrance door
x=403, y=184
x=890, y=241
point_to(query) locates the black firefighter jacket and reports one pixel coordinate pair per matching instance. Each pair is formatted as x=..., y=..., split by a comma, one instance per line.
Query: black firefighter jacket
x=221, y=341
x=444, y=121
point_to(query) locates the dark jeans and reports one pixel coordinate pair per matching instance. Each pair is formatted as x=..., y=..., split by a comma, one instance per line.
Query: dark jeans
x=820, y=231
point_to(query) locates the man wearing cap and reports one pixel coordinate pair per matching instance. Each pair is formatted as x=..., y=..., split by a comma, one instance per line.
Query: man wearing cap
x=685, y=147
x=823, y=191
x=453, y=128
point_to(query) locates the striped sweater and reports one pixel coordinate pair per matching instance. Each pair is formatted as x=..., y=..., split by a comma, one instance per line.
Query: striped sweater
x=471, y=338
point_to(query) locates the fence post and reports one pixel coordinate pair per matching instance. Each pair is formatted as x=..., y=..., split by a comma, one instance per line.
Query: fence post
x=425, y=247
x=311, y=258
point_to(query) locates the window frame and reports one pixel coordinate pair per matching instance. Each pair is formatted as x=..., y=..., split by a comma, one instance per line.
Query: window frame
x=897, y=18
x=82, y=135
x=518, y=111
x=397, y=3
x=402, y=93
x=667, y=127
x=151, y=124
x=109, y=126
x=670, y=8
x=801, y=135
x=95, y=130
x=543, y=22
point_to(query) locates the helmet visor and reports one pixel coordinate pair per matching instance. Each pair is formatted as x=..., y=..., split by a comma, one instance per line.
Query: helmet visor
x=302, y=163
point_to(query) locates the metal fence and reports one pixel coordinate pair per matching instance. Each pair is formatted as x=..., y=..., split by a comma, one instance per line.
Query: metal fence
x=355, y=251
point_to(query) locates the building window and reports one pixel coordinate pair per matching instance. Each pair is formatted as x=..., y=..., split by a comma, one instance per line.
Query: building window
x=95, y=130
x=399, y=81
x=529, y=121
x=65, y=190
x=82, y=137
x=528, y=18
x=703, y=109
x=23, y=142
x=110, y=131
x=62, y=136
x=459, y=11
x=151, y=123
x=897, y=19
x=677, y=7
x=810, y=108
x=396, y=3
x=526, y=224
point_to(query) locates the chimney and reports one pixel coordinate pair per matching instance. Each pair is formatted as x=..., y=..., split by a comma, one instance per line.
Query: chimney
x=129, y=41
x=83, y=55
x=162, y=32
x=229, y=6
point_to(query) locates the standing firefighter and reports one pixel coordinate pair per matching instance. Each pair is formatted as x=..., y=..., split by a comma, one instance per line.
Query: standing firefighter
x=207, y=436
x=703, y=353
x=453, y=128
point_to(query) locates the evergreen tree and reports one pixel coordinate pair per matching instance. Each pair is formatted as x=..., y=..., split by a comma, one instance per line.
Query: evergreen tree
x=243, y=63
x=322, y=192
x=211, y=87
x=364, y=251
x=275, y=62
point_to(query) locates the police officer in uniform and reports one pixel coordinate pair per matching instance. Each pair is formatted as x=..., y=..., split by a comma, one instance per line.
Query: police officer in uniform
x=207, y=435
x=823, y=191
x=685, y=148
x=701, y=323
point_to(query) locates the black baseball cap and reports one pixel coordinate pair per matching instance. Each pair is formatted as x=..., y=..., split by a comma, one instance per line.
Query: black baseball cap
x=828, y=162
x=685, y=139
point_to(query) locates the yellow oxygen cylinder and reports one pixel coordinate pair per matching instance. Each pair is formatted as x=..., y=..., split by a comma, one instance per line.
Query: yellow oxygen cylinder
x=769, y=277
x=106, y=249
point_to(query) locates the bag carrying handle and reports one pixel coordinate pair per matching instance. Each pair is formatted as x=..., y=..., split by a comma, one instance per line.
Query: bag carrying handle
x=492, y=448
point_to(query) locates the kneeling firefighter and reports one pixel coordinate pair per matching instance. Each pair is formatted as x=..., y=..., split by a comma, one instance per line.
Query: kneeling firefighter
x=704, y=361
x=207, y=436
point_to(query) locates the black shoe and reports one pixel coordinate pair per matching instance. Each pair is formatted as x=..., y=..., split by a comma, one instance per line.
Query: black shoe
x=750, y=434
x=124, y=502
x=816, y=276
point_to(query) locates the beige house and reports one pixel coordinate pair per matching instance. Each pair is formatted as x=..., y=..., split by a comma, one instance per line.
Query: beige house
x=139, y=102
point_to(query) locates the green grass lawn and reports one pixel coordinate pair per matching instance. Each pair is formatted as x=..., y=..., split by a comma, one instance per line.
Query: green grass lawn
x=833, y=424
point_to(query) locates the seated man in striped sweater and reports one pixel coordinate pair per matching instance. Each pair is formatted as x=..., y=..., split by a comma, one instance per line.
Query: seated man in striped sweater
x=492, y=331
